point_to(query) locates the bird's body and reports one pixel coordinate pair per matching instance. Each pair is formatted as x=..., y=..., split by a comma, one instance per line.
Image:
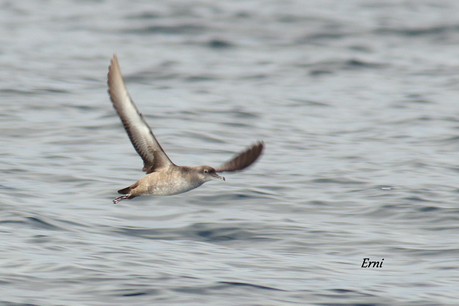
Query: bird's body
x=163, y=176
x=170, y=181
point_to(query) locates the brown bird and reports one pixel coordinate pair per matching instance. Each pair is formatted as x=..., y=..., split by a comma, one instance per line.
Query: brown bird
x=163, y=176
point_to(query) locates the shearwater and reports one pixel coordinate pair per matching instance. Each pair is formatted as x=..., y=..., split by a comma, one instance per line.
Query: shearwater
x=163, y=176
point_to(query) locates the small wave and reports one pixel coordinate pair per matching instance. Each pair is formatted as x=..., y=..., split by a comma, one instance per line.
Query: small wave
x=327, y=67
x=201, y=78
x=39, y=223
x=209, y=232
x=337, y=181
x=239, y=284
x=219, y=44
x=302, y=102
x=33, y=222
x=414, y=32
x=4, y=303
x=168, y=29
x=36, y=91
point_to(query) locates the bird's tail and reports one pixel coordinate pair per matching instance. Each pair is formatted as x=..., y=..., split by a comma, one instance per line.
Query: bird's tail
x=127, y=190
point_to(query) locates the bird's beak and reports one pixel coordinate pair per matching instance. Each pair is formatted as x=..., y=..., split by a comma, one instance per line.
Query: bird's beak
x=217, y=176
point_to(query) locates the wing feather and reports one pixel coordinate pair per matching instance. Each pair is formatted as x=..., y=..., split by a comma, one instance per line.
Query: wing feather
x=140, y=134
x=243, y=159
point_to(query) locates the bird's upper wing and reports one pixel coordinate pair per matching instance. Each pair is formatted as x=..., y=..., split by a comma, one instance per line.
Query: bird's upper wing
x=243, y=159
x=139, y=132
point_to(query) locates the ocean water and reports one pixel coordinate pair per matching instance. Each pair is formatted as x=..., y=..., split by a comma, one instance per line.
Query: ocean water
x=356, y=101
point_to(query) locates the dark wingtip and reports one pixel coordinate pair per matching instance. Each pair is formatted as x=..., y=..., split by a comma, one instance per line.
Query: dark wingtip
x=243, y=159
x=261, y=144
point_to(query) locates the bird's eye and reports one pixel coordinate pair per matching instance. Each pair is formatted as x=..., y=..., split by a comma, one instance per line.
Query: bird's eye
x=206, y=171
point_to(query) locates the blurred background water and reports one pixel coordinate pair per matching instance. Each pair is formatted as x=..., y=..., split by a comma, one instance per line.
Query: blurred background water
x=357, y=102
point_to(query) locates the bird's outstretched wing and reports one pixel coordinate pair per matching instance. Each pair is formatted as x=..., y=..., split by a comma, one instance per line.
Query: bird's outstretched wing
x=243, y=159
x=140, y=134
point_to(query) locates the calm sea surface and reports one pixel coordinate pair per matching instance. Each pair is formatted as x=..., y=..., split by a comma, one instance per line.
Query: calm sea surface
x=357, y=102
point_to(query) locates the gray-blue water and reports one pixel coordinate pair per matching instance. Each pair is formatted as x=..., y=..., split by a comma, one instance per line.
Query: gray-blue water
x=357, y=102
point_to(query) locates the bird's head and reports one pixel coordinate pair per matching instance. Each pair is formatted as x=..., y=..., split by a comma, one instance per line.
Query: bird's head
x=207, y=173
